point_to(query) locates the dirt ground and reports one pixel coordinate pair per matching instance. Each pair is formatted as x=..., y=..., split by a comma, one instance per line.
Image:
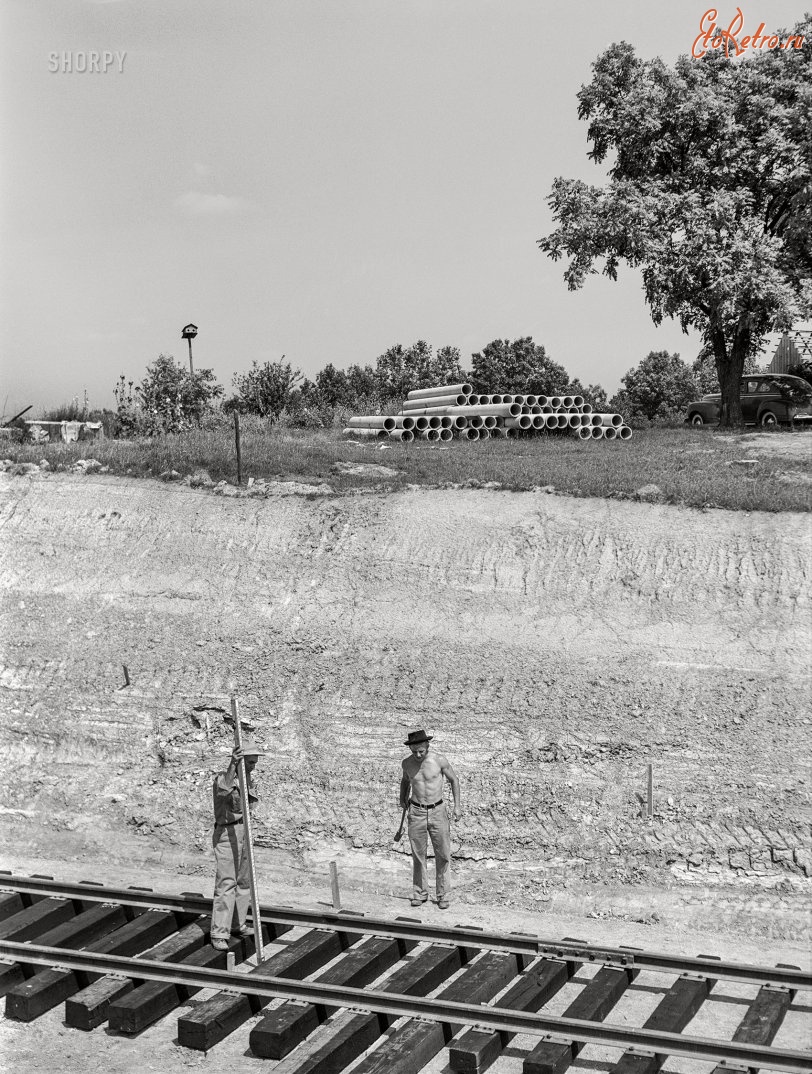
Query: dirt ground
x=554, y=646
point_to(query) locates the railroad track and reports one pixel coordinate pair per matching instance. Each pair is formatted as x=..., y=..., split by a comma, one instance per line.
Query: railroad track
x=333, y=987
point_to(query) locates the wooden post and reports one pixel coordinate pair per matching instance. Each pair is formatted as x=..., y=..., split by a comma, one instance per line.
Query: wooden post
x=334, y=883
x=239, y=447
x=249, y=843
x=650, y=795
x=126, y=675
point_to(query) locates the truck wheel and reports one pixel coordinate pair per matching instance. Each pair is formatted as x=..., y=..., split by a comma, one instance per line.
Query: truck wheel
x=768, y=419
x=696, y=419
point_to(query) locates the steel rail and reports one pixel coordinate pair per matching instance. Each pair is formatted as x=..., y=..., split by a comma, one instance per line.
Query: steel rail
x=615, y=1036
x=462, y=936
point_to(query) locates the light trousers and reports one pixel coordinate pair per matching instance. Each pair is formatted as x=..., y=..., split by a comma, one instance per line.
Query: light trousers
x=425, y=824
x=232, y=886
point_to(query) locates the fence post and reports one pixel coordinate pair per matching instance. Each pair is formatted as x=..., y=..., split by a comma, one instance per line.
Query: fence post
x=334, y=883
x=239, y=451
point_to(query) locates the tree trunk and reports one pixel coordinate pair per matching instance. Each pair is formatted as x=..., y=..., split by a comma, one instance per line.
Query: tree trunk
x=730, y=369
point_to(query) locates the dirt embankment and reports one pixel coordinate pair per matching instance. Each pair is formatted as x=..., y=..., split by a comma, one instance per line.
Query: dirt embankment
x=555, y=646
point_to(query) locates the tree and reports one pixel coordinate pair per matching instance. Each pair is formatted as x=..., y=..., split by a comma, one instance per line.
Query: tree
x=710, y=193
x=265, y=389
x=661, y=382
x=400, y=371
x=331, y=386
x=518, y=366
x=167, y=400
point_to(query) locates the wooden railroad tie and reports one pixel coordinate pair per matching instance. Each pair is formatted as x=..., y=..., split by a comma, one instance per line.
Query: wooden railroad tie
x=45, y=990
x=334, y=1046
x=152, y=1000
x=89, y=1008
x=225, y=1012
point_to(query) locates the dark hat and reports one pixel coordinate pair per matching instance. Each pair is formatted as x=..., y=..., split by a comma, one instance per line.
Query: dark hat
x=416, y=737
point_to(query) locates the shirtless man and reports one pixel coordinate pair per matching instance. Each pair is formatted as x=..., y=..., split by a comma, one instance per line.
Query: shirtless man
x=421, y=788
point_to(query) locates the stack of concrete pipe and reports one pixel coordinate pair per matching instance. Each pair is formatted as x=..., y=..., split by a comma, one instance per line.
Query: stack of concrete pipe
x=451, y=410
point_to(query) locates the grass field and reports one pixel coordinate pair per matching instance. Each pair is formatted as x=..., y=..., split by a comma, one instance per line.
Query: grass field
x=768, y=471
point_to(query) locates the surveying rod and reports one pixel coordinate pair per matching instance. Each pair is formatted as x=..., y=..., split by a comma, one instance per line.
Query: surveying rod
x=246, y=819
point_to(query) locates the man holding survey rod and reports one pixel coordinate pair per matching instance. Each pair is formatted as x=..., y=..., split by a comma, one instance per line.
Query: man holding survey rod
x=232, y=884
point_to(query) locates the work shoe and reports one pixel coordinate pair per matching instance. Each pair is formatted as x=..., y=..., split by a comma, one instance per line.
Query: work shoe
x=442, y=904
x=220, y=945
x=246, y=930
x=415, y=901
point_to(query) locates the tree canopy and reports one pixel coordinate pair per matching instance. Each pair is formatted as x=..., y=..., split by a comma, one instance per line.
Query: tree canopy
x=709, y=193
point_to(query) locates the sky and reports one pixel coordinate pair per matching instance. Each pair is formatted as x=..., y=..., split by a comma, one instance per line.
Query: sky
x=319, y=179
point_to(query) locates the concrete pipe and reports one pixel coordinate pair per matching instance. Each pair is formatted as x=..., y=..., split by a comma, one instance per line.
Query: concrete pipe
x=458, y=422
x=586, y=408
x=440, y=389
x=624, y=432
x=430, y=434
x=542, y=400
x=531, y=400
x=445, y=435
x=563, y=421
x=435, y=422
x=579, y=400
x=473, y=399
x=434, y=401
x=524, y=421
x=367, y=434
x=573, y=419
x=446, y=422
x=484, y=434
x=595, y=419
x=610, y=433
x=421, y=422
x=584, y=432
x=555, y=402
x=497, y=398
x=546, y=408
x=567, y=402
x=475, y=421
x=511, y=434
x=498, y=433
x=539, y=421
x=534, y=408
x=374, y=421
x=508, y=398
x=489, y=421
x=404, y=435
x=596, y=432
x=404, y=421
x=520, y=399
x=469, y=434
x=610, y=419
x=495, y=410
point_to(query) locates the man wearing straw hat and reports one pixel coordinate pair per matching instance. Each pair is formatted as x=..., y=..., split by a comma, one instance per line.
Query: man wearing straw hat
x=421, y=791
x=232, y=886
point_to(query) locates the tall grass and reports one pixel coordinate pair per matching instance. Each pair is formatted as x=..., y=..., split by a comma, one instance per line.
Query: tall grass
x=690, y=467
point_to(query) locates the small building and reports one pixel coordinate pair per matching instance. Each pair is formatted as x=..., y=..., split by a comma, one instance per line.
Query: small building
x=793, y=348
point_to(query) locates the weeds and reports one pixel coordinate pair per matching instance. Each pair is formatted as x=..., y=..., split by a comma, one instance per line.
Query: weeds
x=690, y=467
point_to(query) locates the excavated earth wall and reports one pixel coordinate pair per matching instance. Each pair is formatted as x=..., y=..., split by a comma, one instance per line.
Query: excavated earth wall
x=554, y=645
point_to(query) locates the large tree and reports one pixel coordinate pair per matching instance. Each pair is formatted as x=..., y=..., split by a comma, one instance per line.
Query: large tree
x=660, y=383
x=709, y=193
x=518, y=365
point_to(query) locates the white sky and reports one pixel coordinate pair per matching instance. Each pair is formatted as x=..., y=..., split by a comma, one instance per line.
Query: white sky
x=315, y=179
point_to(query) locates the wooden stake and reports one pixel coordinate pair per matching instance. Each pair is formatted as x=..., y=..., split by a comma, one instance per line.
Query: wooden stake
x=239, y=449
x=249, y=842
x=126, y=675
x=650, y=797
x=334, y=883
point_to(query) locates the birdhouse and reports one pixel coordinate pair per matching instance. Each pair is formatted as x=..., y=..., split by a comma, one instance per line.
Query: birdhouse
x=189, y=332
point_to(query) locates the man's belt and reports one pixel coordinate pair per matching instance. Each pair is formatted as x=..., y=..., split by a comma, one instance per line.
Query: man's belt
x=420, y=805
x=228, y=824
